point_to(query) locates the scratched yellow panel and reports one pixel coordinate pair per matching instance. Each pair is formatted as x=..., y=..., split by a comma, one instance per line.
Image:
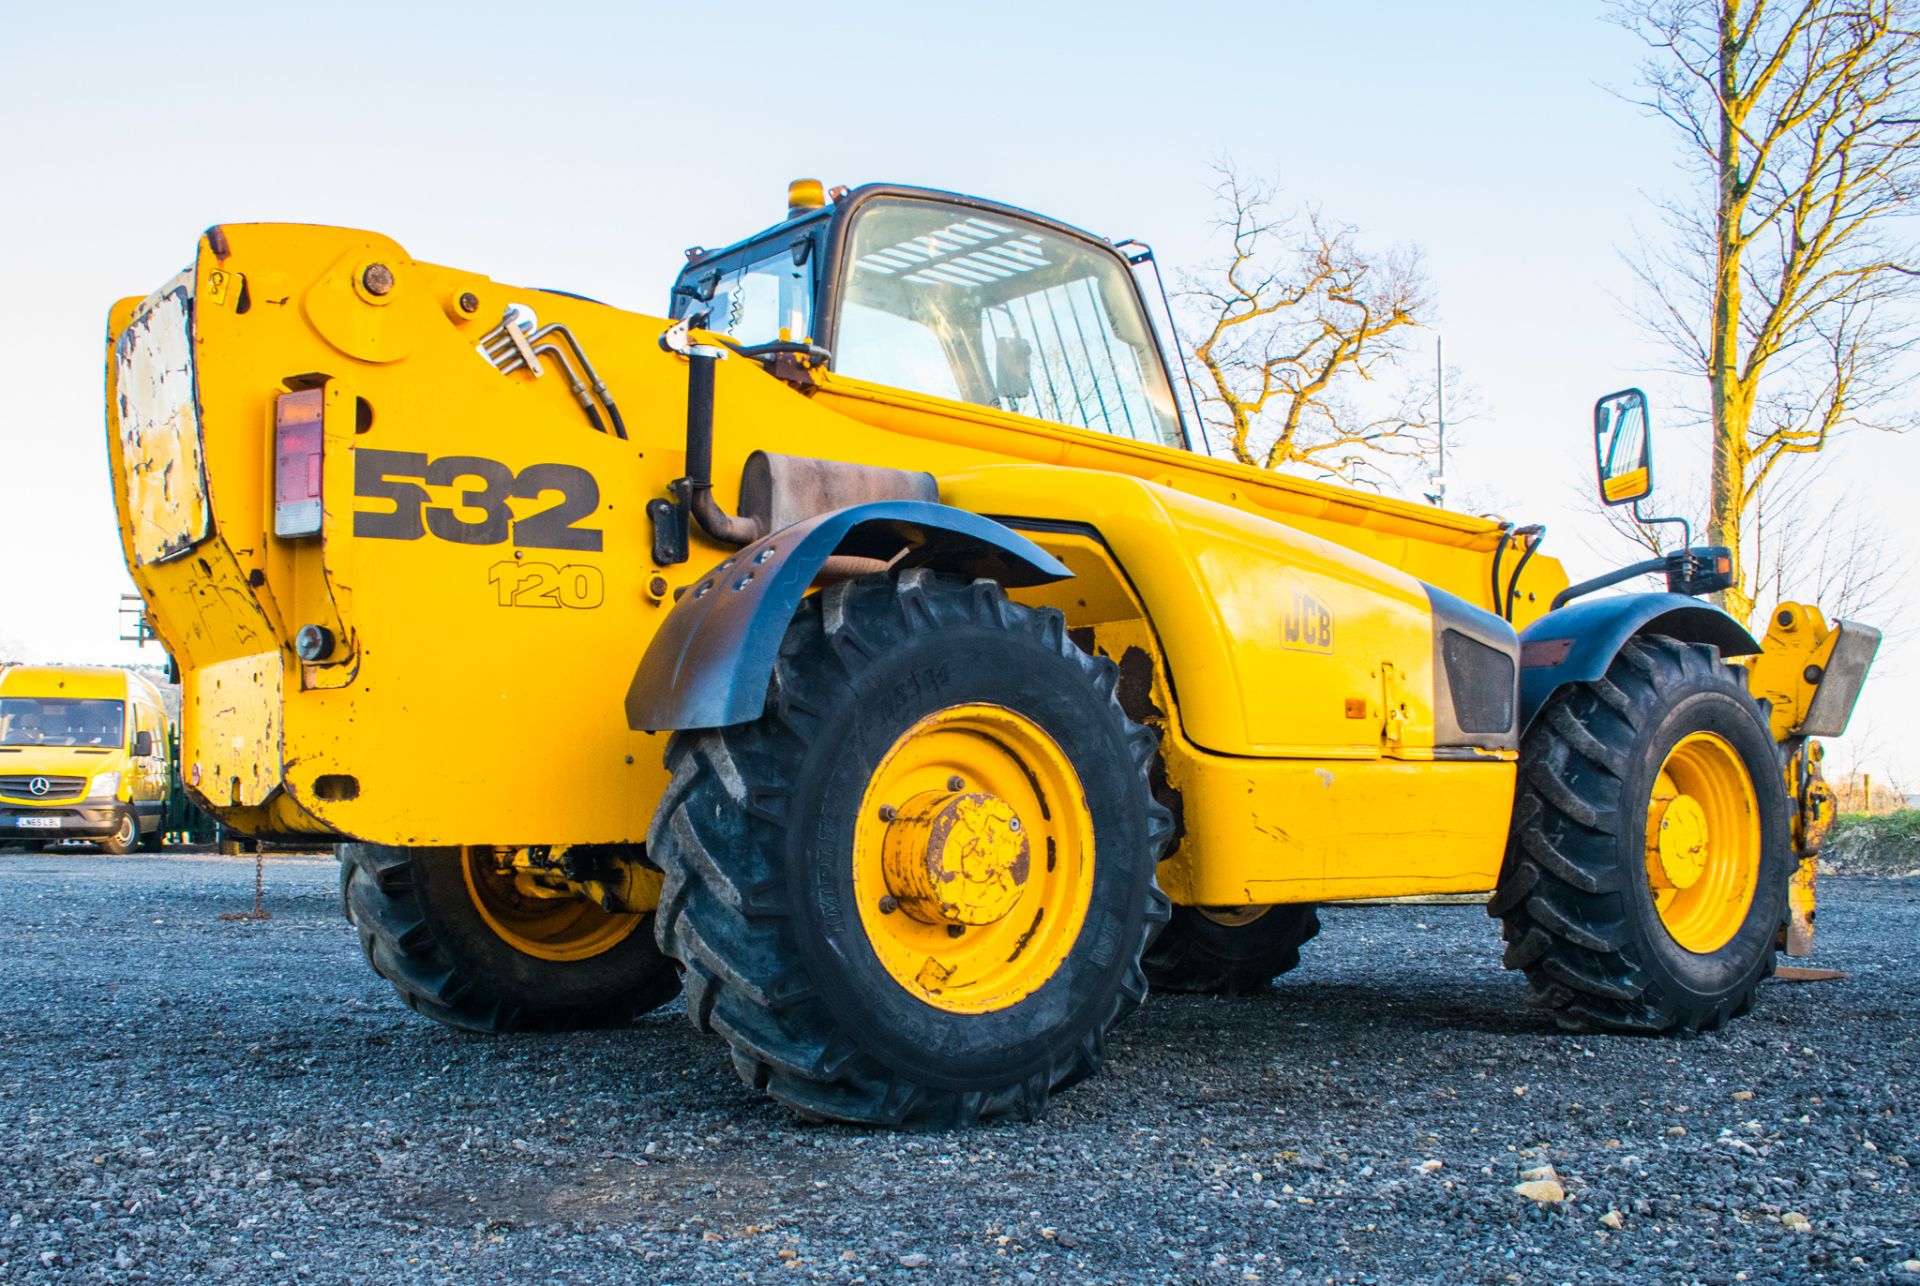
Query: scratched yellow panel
x=158, y=431
x=230, y=729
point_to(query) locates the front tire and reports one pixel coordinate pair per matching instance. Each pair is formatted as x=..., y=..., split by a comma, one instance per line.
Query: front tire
x=1645, y=884
x=863, y=963
x=125, y=838
x=425, y=928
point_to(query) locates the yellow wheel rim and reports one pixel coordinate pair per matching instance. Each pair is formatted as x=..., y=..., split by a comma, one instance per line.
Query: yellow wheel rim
x=1703, y=843
x=546, y=928
x=973, y=859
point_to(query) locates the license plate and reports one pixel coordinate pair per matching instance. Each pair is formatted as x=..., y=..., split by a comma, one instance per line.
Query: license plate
x=40, y=823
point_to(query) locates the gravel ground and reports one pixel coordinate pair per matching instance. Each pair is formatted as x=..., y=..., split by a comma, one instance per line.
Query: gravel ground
x=184, y=1098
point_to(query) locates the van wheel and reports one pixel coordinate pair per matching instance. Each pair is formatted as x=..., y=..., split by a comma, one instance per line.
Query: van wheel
x=1645, y=884
x=916, y=889
x=464, y=951
x=124, y=838
x=1229, y=951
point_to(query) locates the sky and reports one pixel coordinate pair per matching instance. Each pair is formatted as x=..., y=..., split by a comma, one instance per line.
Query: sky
x=584, y=147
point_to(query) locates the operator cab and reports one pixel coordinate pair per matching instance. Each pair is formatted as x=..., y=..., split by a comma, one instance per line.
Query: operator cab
x=947, y=296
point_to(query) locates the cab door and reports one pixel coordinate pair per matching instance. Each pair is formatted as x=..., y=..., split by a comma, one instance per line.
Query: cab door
x=148, y=772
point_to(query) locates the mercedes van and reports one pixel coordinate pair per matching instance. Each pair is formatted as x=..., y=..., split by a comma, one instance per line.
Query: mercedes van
x=83, y=755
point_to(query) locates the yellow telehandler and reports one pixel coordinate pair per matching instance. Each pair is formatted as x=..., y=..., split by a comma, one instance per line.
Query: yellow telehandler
x=870, y=645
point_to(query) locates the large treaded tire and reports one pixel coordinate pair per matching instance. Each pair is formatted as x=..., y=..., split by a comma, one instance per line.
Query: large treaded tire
x=422, y=933
x=1575, y=900
x=756, y=827
x=1199, y=954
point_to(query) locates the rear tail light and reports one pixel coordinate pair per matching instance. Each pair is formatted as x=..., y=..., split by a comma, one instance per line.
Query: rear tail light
x=298, y=441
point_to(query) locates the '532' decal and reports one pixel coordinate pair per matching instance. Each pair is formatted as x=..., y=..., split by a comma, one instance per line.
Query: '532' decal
x=481, y=517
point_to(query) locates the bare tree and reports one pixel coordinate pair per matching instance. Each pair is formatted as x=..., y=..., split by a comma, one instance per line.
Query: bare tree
x=1800, y=547
x=1802, y=119
x=1298, y=324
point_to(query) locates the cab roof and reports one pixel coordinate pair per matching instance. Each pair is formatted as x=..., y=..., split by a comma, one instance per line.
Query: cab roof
x=853, y=198
x=82, y=682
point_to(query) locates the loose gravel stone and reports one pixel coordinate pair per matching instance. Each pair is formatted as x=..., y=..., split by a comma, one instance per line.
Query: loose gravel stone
x=186, y=1099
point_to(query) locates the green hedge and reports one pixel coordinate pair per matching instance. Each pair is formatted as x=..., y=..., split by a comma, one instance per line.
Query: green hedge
x=1869, y=844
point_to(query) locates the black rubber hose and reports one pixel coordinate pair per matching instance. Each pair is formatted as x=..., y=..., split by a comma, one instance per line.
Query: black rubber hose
x=1499, y=551
x=593, y=417
x=619, y=425
x=1538, y=533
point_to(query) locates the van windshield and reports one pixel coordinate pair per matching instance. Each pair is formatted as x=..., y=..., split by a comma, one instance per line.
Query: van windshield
x=58, y=721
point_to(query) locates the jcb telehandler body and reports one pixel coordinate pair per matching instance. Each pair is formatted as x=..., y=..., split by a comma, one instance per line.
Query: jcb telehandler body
x=900, y=744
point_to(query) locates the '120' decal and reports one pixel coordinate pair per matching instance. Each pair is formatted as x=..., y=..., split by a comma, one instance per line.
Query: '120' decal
x=396, y=476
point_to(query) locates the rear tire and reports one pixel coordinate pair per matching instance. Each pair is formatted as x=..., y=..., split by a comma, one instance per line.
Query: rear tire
x=1210, y=954
x=766, y=835
x=422, y=932
x=1582, y=892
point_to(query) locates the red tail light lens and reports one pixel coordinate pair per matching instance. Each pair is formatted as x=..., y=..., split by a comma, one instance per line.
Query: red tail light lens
x=298, y=442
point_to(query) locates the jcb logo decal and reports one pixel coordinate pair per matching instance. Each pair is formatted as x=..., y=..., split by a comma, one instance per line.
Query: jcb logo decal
x=1308, y=626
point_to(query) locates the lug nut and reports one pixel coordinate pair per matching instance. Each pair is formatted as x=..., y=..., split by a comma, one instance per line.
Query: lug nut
x=378, y=279
x=889, y=904
x=469, y=302
x=955, y=930
x=657, y=587
x=955, y=783
x=1013, y=823
x=888, y=812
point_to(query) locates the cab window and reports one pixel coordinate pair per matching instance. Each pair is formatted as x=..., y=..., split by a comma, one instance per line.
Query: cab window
x=986, y=308
x=754, y=295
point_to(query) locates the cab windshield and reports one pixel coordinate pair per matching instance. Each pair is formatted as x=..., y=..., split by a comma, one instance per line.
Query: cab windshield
x=986, y=308
x=48, y=721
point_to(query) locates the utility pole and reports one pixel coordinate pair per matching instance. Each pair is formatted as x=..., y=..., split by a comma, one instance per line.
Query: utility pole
x=1440, y=392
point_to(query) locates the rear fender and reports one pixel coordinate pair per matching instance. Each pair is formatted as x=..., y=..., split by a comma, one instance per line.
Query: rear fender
x=1577, y=643
x=708, y=665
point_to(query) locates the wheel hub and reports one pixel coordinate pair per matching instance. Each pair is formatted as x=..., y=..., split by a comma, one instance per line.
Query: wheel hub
x=973, y=858
x=1681, y=843
x=526, y=903
x=952, y=857
x=1703, y=845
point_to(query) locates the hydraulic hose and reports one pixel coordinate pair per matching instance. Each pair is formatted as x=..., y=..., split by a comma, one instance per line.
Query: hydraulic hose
x=1499, y=551
x=1536, y=534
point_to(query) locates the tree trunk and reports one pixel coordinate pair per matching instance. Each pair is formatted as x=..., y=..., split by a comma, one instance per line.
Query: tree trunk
x=1732, y=401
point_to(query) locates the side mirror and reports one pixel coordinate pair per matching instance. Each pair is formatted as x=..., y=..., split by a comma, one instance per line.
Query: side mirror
x=1623, y=447
x=143, y=744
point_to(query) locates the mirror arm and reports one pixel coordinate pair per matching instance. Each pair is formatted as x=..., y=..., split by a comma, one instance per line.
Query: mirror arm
x=1585, y=587
x=1646, y=520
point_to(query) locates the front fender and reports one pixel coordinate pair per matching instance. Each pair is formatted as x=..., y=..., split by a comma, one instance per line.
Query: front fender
x=1578, y=642
x=708, y=665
